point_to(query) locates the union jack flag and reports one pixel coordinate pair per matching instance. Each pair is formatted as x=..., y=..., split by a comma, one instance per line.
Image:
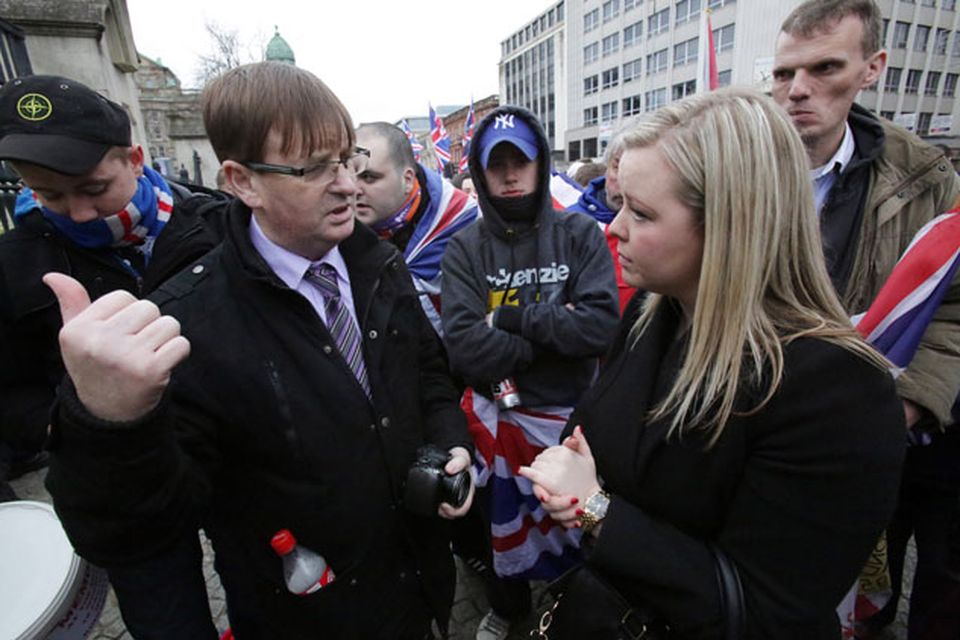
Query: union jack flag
x=414, y=143
x=468, y=125
x=441, y=142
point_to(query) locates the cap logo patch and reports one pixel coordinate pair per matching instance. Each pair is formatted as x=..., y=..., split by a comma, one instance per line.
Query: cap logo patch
x=504, y=121
x=34, y=107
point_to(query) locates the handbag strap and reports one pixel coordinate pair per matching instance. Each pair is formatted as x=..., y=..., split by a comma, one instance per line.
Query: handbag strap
x=731, y=594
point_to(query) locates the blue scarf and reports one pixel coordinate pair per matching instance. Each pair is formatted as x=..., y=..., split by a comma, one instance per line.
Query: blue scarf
x=138, y=224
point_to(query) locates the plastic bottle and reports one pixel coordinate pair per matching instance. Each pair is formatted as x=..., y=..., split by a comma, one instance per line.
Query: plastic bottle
x=304, y=571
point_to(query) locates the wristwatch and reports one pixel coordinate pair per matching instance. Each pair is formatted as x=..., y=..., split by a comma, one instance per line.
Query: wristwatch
x=594, y=510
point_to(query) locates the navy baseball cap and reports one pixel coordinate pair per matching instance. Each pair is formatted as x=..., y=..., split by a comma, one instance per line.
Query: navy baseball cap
x=507, y=127
x=59, y=124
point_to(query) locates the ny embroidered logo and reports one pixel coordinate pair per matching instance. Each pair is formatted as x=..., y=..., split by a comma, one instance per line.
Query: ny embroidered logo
x=504, y=121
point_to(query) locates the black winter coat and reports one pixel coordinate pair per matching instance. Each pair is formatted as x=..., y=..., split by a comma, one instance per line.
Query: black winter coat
x=796, y=494
x=30, y=365
x=266, y=428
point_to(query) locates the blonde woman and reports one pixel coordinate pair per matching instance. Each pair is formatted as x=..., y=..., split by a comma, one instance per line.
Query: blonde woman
x=738, y=410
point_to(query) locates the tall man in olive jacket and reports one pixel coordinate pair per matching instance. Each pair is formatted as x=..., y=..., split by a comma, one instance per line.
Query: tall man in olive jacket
x=876, y=185
x=313, y=377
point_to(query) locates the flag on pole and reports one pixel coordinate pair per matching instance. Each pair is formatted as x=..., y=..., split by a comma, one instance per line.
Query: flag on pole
x=414, y=143
x=441, y=142
x=468, y=125
x=708, y=76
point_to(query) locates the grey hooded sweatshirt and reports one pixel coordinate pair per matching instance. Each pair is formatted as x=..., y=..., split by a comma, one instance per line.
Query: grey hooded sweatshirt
x=527, y=274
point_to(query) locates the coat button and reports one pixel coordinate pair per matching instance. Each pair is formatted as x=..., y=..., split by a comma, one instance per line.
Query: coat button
x=373, y=334
x=197, y=270
x=372, y=427
x=353, y=582
x=327, y=349
x=403, y=575
x=384, y=422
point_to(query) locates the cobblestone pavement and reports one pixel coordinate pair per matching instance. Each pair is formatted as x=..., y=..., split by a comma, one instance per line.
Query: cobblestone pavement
x=469, y=606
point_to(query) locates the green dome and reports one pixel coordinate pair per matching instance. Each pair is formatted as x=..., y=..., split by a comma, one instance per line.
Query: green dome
x=279, y=50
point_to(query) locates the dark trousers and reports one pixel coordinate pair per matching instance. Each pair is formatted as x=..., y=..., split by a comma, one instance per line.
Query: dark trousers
x=166, y=597
x=928, y=510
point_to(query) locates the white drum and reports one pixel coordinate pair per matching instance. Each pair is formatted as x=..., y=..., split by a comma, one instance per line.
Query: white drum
x=46, y=590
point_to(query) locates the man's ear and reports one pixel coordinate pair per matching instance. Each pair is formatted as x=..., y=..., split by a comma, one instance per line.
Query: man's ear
x=135, y=156
x=241, y=183
x=409, y=179
x=875, y=66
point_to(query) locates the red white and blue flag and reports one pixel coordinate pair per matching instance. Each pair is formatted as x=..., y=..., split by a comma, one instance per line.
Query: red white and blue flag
x=564, y=190
x=468, y=126
x=450, y=210
x=527, y=542
x=414, y=143
x=441, y=141
x=899, y=316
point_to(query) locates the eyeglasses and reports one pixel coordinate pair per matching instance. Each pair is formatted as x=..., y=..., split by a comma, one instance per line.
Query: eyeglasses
x=325, y=171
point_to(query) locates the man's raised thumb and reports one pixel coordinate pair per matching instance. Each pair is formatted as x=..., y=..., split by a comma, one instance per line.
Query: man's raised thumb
x=70, y=294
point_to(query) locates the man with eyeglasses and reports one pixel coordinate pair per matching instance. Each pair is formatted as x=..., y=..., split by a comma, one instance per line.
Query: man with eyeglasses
x=290, y=378
x=411, y=206
x=93, y=209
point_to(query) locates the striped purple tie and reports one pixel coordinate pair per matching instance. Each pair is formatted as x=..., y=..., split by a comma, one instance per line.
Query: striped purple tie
x=339, y=321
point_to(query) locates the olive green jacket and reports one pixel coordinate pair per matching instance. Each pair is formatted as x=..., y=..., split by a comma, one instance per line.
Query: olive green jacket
x=911, y=182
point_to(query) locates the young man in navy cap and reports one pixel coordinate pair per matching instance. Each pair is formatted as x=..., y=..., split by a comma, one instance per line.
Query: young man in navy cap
x=529, y=303
x=92, y=209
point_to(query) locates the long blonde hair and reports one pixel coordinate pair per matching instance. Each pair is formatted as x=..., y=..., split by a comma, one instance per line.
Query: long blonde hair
x=742, y=169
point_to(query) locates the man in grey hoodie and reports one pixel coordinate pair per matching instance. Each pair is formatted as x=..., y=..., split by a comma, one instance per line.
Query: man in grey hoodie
x=529, y=304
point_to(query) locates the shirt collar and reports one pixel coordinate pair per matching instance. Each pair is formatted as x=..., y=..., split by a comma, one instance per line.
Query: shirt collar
x=288, y=266
x=840, y=159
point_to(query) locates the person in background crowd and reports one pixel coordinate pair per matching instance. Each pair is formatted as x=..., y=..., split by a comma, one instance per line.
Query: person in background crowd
x=410, y=206
x=464, y=182
x=739, y=410
x=529, y=304
x=90, y=208
x=601, y=199
x=589, y=171
x=875, y=186
x=308, y=422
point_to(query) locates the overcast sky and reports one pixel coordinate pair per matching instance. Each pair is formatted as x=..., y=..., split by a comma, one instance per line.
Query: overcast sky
x=383, y=59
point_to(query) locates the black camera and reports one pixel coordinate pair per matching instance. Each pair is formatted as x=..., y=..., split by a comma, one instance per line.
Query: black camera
x=428, y=484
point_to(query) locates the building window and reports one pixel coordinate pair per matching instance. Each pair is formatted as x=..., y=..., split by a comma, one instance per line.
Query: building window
x=883, y=37
x=611, y=9
x=589, y=116
x=590, y=148
x=923, y=123
x=611, y=44
x=892, y=81
x=956, y=44
x=948, y=5
x=724, y=78
x=591, y=20
x=632, y=105
x=631, y=70
x=658, y=22
x=913, y=81
x=723, y=37
x=685, y=52
x=632, y=33
x=560, y=12
x=928, y=3
x=683, y=89
x=573, y=150
x=920, y=38
x=608, y=112
x=950, y=84
x=940, y=42
x=686, y=10
x=657, y=62
x=631, y=4
x=716, y=4
x=611, y=77
x=901, y=32
x=933, y=83
x=591, y=53
x=590, y=85
x=655, y=99
x=887, y=114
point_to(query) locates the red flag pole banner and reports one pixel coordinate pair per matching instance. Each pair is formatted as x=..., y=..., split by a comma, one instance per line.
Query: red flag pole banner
x=708, y=75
